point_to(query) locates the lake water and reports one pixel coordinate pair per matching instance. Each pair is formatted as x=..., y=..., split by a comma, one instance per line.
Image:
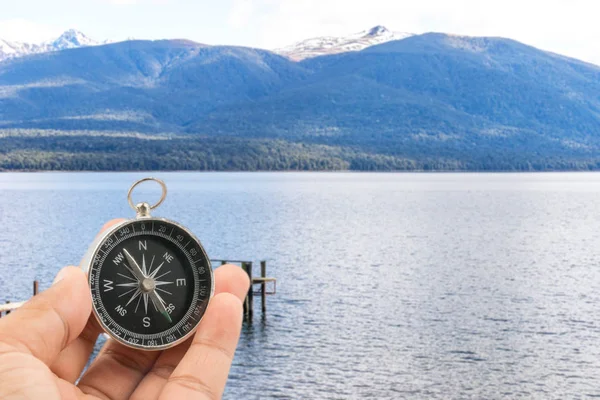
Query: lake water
x=390, y=286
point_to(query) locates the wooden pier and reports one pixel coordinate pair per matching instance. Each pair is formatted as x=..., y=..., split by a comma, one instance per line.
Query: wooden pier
x=8, y=307
x=262, y=281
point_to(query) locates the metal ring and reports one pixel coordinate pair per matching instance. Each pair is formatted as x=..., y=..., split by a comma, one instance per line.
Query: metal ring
x=162, y=197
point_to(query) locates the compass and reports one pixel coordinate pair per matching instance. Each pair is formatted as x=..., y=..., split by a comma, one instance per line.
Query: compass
x=150, y=279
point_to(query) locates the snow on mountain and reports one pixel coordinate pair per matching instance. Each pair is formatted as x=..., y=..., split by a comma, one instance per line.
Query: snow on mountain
x=13, y=49
x=319, y=46
x=298, y=51
x=68, y=40
x=7, y=47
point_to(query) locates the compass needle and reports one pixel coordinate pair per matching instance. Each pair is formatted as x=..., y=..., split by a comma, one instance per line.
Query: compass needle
x=134, y=266
x=160, y=299
x=128, y=268
x=159, y=305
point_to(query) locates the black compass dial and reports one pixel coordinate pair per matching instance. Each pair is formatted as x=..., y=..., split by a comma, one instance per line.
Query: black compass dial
x=151, y=282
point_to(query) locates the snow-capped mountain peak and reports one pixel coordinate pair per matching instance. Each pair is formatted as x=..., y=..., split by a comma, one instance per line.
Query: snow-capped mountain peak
x=7, y=47
x=71, y=39
x=378, y=31
x=323, y=45
x=68, y=40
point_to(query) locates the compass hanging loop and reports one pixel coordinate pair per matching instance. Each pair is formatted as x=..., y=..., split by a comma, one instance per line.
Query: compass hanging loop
x=143, y=209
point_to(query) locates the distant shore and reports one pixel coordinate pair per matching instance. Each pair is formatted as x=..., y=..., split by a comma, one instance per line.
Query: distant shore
x=54, y=150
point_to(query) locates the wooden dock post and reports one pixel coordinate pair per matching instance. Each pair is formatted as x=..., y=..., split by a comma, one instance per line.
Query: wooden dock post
x=8, y=308
x=245, y=304
x=263, y=286
x=249, y=303
x=261, y=280
x=250, y=292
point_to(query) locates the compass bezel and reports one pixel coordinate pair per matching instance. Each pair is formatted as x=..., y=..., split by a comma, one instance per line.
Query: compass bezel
x=88, y=262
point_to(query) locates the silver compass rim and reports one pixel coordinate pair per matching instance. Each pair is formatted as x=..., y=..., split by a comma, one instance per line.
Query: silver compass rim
x=86, y=264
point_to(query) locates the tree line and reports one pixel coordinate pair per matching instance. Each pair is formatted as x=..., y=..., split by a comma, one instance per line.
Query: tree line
x=98, y=152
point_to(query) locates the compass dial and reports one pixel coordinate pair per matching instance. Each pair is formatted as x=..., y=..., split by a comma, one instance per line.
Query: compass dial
x=151, y=282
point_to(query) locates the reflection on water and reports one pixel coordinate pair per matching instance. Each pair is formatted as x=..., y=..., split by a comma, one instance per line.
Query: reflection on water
x=389, y=285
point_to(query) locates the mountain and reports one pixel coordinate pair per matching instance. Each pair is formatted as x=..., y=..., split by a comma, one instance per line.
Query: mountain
x=71, y=39
x=433, y=95
x=431, y=101
x=327, y=45
x=68, y=40
x=144, y=85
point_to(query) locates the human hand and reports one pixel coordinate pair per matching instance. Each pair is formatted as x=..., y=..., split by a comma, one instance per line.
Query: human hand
x=45, y=345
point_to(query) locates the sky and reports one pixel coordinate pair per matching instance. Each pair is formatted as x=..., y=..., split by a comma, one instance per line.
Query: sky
x=568, y=27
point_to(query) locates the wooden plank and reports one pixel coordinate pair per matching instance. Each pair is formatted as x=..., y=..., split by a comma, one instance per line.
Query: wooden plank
x=221, y=261
x=261, y=279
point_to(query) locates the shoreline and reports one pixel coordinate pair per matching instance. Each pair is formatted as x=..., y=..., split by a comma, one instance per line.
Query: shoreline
x=150, y=171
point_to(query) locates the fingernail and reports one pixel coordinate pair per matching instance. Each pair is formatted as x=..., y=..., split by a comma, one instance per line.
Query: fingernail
x=60, y=276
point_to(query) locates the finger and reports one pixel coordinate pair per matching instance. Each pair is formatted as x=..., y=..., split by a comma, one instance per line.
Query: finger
x=203, y=371
x=120, y=365
x=110, y=224
x=117, y=371
x=231, y=279
x=228, y=279
x=153, y=383
x=71, y=361
x=48, y=322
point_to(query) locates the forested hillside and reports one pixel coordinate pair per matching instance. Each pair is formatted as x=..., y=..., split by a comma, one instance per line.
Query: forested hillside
x=431, y=101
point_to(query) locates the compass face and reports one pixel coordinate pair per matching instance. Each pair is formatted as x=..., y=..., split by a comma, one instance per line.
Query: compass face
x=151, y=282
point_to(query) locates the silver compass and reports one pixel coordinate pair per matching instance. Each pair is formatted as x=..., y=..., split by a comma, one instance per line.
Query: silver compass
x=150, y=279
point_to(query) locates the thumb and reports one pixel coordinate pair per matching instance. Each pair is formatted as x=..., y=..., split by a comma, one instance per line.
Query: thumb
x=49, y=321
